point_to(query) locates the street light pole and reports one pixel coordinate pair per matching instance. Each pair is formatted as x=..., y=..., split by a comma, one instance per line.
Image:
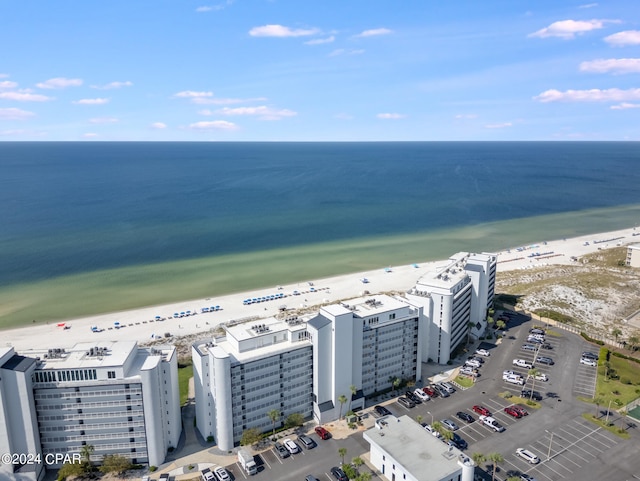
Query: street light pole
x=608, y=409
x=431, y=417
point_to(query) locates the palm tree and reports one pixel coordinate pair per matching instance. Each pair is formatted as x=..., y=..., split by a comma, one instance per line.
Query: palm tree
x=470, y=325
x=500, y=324
x=353, y=390
x=342, y=452
x=357, y=462
x=341, y=399
x=615, y=332
x=419, y=419
x=633, y=341
x=85, y=453
x=532, y=374
x=444, y=432
x=495, y=458
x=274, y=415
x=479, y=459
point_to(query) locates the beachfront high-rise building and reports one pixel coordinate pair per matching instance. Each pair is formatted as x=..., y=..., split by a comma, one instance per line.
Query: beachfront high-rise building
x=633, y=255
x=116, y=397
x=455, y=297
x=362, y=345
x=257, y=368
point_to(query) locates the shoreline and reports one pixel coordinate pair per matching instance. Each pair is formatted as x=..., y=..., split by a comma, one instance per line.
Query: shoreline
x=151, y=323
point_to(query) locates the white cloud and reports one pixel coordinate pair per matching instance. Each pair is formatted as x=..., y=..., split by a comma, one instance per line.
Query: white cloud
x=625, y=106
x=206, y=126
x=103, y=120
x=502, y=125
x=390, y=116
x=190, y=94
x=620, y=39
x=342, y=51
x=8, y=84
x=209, y=8
x=374, y=32
x=98, y=101
x=320, y=41
x=613, y=65
x=112, y=85
x=593, y=95
x=466, y=116
x=90, y=135
x=4, y=75
x=281, y=31
x=263, y=112
x=570, y=28
x=225, y=101
x=24, y=96
x=205, y=112
x=204, y=8
x=60, y=83
x=588, y=5
x=15, y=114
x=158, y=125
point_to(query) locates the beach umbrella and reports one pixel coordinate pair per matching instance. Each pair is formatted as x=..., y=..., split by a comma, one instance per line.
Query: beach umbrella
x=158, y=317
x=61, y=324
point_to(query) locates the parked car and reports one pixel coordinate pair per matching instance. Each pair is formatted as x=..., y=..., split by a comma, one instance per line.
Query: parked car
x=469, y=371
x=281, y=450
x=412, y=397
x=472, y=363
x=483, y=352
x=513, y=379
x=526, y=477
x=291, y=446
x=527, y=393
x=590, y=355
x=545, y=360
x=450, y=389
x=339, y=474
x=537, y=330
x=323, y=433
x=546, y=345
x=430, y=391
x=408, y=403
x=481, y=410
x=465, y=416
x=449, y=424
x=430, y=429
x=476, y=358
x=535, y=340
x=420, y=394
x=541, y=377
x=529, y=347
x=221, y=474
x=311, y=478
x=441, y=391
x=588, y=361
x=492, y=423
x=527, y=456
x=306, y=441
x=522, y=363
x=520, y=409
x=458, y=442
x=381, y=411
x=512, y=412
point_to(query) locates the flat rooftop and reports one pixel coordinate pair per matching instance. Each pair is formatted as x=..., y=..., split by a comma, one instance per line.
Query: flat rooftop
x=419, y=452
x=447, y=274
x=368, y=306
x=84, y=355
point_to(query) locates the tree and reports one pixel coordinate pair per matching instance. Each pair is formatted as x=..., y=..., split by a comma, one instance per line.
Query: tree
x=444, y=432
x=274, y=415
x=495, y=458
x=85, y=453
x=250, y=436
x=532, y=374
x=353, y=390
x=341, y=399
x=633, y=341
x=357, y=462
x=607, y=368
x=478, y=458
x=597, y=401
x=500, y=324
x=395, y=382
x=364, y=477
x=342, y=452
x=115, y=463
x=615, y=332
x=70, y=469
x=470, y=325
x=294, y=419
x=419, y=419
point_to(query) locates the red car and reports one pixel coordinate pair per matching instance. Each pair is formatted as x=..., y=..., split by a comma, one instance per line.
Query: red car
x=430, y=392
x=512, y=412
x=322, y=432
x=482, y=410
x=521, y=410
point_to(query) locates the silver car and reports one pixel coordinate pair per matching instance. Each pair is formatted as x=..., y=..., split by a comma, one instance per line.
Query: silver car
x=449, y=424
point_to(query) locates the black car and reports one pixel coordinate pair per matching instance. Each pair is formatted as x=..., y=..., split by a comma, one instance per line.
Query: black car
x=281, y=450
x=408, y=403
x=412, y=397
x=545, y=360
x=339, y=474
x=465, y=416
x=526, y=393
x=458, y=442
x=382, y=411
x=590, y=355
x=546, y=345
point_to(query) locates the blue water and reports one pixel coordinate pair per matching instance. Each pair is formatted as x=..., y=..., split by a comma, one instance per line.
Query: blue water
x=69, y=208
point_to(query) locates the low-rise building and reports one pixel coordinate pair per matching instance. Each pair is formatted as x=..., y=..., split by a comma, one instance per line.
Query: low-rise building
x=401, y=449
x=633, y=255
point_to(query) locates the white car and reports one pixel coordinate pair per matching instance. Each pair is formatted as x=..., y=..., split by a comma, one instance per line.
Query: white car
x=588, y=362
x=222, y=474
x=522, y=363
x=492, y=423
x=433, y=431
x=527, y=456
x=472, y=363
x=483, y=352
x=423, y=396
x=292, y=447
x=468, y=371
x=513, y=379
x=541, y=377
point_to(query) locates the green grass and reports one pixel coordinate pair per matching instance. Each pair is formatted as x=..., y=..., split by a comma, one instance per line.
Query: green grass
x=464, y=381
x=185, y=372
x=614, y=391
x=525, y=402
x=617, y=430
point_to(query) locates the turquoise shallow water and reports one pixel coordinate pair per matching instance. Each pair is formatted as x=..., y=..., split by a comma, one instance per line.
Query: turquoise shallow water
x=123, y=288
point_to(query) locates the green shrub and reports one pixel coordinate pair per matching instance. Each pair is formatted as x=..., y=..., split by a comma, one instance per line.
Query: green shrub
x=209, y=439
x=153, y=468
x=591, y=339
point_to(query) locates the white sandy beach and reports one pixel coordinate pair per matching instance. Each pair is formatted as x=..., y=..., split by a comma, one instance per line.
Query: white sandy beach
x=141, y=324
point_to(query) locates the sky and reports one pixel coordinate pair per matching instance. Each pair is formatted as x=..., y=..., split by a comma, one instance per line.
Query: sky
x=331, y=70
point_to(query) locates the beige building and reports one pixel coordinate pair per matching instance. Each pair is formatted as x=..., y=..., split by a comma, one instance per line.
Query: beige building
x=633, y=255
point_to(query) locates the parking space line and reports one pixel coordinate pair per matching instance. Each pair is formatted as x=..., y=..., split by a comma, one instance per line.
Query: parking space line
x=276, y=456
x=547, y=466
x=241, y=470
x=565, y=456
x=265, y=461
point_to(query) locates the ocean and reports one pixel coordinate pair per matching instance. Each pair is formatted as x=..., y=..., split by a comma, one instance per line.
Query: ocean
x=89, y=227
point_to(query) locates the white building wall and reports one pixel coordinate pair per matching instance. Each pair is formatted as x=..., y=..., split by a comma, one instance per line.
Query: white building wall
x=169, y=379
x=202, y=387
x=220, y=375
x=343, y=359
x=153, y=406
